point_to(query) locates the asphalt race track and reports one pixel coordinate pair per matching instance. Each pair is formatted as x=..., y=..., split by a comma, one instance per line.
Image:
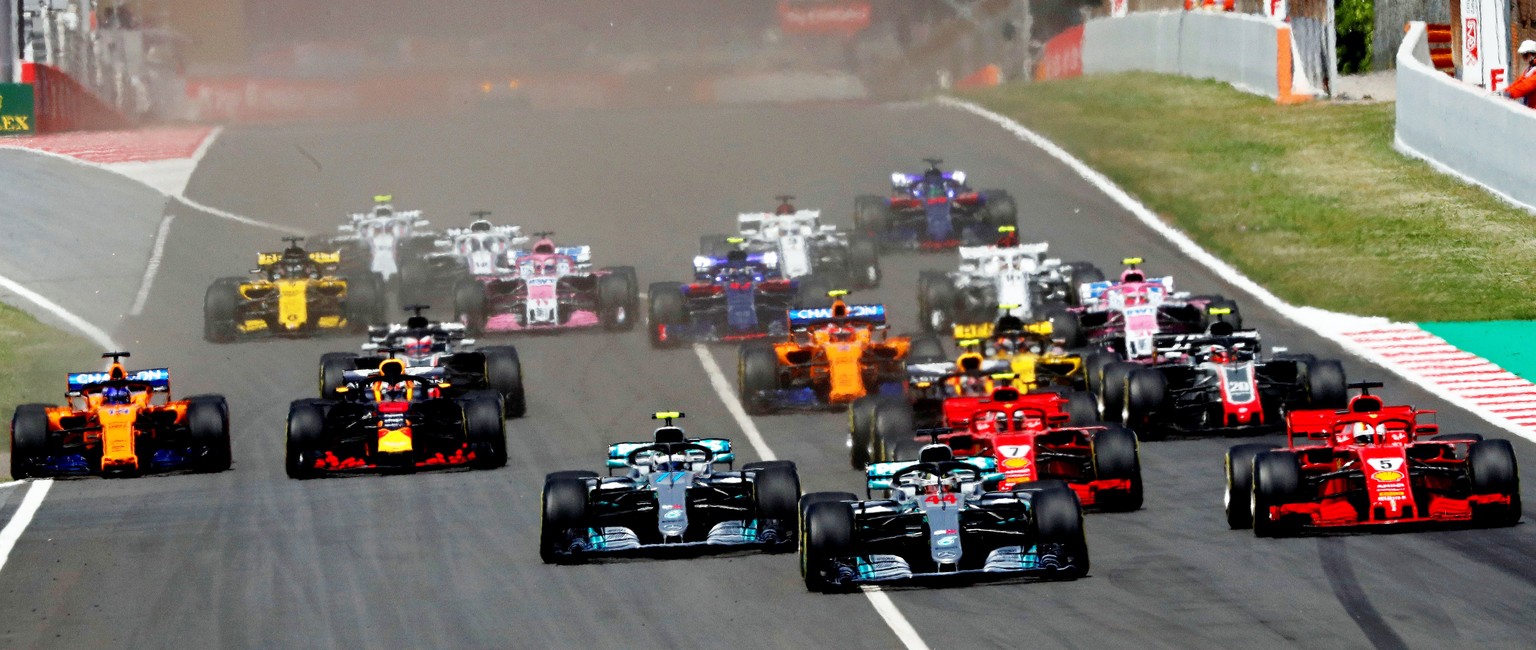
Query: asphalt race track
x=249, y=558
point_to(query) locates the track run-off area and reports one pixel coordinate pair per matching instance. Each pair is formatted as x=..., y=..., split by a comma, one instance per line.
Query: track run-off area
x=249, y=558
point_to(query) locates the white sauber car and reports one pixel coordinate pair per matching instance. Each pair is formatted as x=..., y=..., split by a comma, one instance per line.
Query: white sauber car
x=805, y=247
x=1004, y=279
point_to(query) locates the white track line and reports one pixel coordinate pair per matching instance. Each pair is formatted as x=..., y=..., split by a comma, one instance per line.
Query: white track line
x=1322, y=323
x=224, y=214
x=882, y=603
x=23, y=516
x=92, y=332
x=728, y=397
x=10, y=484
x=153, y=267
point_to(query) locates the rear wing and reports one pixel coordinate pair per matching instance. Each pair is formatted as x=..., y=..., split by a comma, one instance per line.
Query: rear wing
x=964, y=331
x=1029, y=251
x=751, y=222
x=878, y=475
x=1240, y=340
x=1094, y=290
x=618, y=453
x=803, y=318
x=766, y=260
x=158, y=380
x=359, y=376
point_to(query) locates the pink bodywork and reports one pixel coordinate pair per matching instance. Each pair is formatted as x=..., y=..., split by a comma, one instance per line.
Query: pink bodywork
x=541, y=270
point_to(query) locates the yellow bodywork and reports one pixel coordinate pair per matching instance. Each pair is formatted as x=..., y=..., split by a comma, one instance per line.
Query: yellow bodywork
x=394, y=442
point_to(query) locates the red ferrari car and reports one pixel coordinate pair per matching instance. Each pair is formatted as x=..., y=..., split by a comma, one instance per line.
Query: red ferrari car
x=1034, y=437
x=1370, y=464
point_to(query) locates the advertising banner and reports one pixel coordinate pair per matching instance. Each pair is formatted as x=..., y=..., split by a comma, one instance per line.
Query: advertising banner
x=831, y=18
x=17, y=113
x=1062, y=57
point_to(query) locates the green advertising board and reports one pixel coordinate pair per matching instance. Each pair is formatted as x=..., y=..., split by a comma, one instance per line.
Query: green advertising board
x=16, y=109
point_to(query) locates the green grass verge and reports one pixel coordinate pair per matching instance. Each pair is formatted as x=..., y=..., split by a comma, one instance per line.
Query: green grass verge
x=36, y=358
x=1311, y=201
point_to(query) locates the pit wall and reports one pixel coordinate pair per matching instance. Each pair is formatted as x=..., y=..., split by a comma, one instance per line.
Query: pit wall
x=1253, y=53
x=1461, y=129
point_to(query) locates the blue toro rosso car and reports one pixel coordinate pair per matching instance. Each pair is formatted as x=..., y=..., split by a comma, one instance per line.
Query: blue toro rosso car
x=933, y=210
x=943, y=517
x=672, y=493
x=737, y=296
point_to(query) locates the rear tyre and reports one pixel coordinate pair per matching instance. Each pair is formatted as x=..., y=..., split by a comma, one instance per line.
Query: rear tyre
x=1326, y=387
x=666, y=309
x=365, y=302
x=1083, y=273
x=486, y=429
x=1234, y=317
x=1065, y=326
x=29, y=439
x=1237, y=502
x=332, y=367
x=828, y=536
x=1276, y=482
x=757, y=372
x=219, y=305
x=1112, y=390
x=1082, y=410
x=504, y=374
x=1093, y=369
x=469, y=305
x=306, y=434
x=861, y=430
x=208, y=430
x=1058, y=521
x=1492, y=470
x=570, y=473
x=864, y=262
x=1145, y=391
x=1116, y=455
x=937, y=303
x=565, y=510
x=926, y=349
x=1002, y=210
x=893, y=431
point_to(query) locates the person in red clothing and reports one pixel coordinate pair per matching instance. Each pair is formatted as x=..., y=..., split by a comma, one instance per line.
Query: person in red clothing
x=1524, y=88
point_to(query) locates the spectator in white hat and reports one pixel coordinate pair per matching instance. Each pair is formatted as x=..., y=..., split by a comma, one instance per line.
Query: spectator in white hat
x=1524, y=88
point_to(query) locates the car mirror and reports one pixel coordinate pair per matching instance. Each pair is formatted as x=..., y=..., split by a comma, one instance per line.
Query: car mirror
x=466, y=341
x=345, y=228
x=370, y=347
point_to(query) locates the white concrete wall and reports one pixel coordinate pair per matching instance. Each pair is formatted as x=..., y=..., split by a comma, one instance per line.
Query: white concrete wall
x=1236, y=48
x=1461, y=129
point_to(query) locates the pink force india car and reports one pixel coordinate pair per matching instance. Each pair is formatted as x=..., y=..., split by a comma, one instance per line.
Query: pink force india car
x=1127, y=317
x=548, y=288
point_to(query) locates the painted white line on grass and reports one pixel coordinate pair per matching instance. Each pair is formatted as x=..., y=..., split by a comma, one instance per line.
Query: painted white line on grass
x=882, y=603
x=92, y=332
x=153, y=267
x=23, y=517
x=1339, y=328
x=728, y=397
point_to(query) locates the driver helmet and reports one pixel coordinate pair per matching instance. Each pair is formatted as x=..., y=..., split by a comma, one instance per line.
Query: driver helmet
x=1362, y=433
x=545, y=247
x=1222, y=354
x=115, y=395
x=841, y=333
x=784, y=208
x=418, y=346
x=1006, y=345
x=480, y=225
x=294, y=267
x=1133, y=275
x=383, y=211
x=1009, y=239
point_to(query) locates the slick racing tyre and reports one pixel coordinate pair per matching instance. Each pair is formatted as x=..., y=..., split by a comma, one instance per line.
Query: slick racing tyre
x=861, y=430
x=469, y=305
x=1002, y=210
x=828, y=536
x=936, y=302
x=864, y=262
x=1082, y=273
x=306, y=437
x=666, y=309
x=1082, y=410
x=208, y=430
x=365, y=302
x=29, y=439
x=1116, y=455
x=570, y=473
x=776, y=498
x=1276, y=482
x=1057, y=519
x=504, y=374
x=486, y=428
x=811, y=498
x=1065, y=327
x=1326, y=386
x=893, y=431
x=757, y=372
x=565, y=510
x=613, y=303
x=219, y=305
x=870, y=215
x=1094, y=364
x=1113, y=388
x=332, y=367
x=1492, y=470
x=1146, y=389
x=1238, y=505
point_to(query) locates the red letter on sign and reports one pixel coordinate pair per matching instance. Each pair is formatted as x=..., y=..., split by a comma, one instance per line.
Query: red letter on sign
x=1495, y=79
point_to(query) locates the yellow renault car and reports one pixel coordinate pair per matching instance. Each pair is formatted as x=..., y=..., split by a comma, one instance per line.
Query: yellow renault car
x=296, y=293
